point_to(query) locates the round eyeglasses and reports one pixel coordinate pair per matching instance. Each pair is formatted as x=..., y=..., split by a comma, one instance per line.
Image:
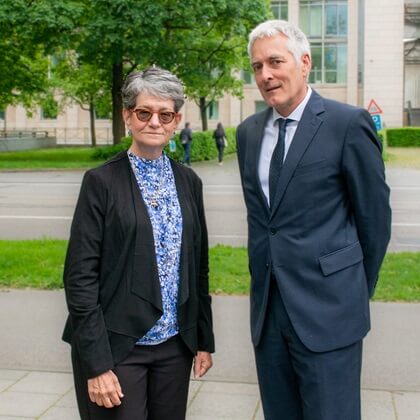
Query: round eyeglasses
x=144, y=115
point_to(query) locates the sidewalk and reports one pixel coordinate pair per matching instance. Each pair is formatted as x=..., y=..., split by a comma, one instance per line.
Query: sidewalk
x=36, y=383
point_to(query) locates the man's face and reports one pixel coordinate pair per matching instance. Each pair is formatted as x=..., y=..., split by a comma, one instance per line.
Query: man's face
x=280, y=79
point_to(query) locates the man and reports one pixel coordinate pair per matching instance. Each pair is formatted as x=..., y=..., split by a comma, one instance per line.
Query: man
x=318, y=227
x=186, y=140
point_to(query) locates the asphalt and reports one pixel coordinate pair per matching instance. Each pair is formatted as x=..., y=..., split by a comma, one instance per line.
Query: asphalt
x=35, y=370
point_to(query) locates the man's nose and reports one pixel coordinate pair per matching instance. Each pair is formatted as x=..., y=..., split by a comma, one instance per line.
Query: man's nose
x=266, y=73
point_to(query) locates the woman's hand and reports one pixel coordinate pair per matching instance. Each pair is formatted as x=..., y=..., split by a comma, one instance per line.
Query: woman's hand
x=202, y=363
x=105, y=390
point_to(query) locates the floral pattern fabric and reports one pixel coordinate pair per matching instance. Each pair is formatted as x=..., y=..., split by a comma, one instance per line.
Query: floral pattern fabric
x=157, y=187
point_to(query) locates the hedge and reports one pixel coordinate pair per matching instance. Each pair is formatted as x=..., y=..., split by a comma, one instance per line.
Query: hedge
x=203, y=147
x=403, y=137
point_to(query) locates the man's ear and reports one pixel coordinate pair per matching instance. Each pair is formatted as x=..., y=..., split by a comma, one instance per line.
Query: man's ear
x=306, y=65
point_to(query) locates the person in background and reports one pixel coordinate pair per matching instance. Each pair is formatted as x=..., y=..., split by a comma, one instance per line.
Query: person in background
x=186, y=141
x=220, y=139
x=319, y=223
x=136, y=269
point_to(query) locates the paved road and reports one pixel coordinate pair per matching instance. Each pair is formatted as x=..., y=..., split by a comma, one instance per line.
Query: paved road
x=41, y=204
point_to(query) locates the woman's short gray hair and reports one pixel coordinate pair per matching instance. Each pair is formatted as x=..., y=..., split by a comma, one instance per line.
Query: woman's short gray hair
x=153, y=81
x=297, y=42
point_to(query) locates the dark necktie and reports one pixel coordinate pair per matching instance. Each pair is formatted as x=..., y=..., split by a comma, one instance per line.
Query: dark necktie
x=277, y=157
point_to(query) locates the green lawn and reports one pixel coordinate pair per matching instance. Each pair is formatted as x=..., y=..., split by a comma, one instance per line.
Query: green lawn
x=80, y=158
x=39, y=264
x=51, y=158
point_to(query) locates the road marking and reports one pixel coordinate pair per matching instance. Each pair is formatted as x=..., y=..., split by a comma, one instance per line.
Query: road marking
x=5, y=216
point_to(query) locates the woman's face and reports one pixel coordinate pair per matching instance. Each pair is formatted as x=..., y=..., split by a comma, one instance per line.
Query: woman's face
x=150, y=137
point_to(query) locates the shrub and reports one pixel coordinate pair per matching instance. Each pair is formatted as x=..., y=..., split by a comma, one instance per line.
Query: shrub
x=203, y=147
x=106, y=152
x=403, y=137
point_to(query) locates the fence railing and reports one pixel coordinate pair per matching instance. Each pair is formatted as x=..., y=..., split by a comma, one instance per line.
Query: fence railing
x=64, y=136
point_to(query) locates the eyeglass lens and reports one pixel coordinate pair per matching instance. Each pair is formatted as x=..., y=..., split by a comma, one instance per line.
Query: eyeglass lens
x=165, y=117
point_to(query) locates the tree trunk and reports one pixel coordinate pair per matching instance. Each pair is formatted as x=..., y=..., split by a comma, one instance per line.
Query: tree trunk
x=203, y=114
x=92, y=124
x=118, y=126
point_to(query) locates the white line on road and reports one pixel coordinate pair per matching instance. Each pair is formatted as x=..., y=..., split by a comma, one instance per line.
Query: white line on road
x=22, y=217
x=30, y=217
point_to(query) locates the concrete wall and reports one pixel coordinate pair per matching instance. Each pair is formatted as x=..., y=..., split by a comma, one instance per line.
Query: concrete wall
x=11, y=144
x=383, y=59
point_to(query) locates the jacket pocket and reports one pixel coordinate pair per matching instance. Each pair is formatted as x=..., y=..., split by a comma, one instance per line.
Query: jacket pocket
x=340, y=259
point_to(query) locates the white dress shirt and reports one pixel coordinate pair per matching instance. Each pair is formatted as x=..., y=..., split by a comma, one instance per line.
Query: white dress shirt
x=271, y=133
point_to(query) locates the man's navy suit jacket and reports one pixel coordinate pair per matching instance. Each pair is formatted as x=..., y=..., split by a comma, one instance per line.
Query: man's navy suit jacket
x=326, y=233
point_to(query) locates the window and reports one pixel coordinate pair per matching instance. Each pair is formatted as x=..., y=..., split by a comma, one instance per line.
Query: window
x=280, y=9
x=2, y=114
x=248, y=77
x=325, y=23
x=260, y=106
x=213, y=110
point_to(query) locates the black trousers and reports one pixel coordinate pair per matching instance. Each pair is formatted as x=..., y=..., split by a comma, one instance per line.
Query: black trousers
x=154, y=381
x=298, y=384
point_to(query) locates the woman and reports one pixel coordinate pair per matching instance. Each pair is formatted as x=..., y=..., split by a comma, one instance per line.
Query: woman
x=136, y=271
x=220, y=138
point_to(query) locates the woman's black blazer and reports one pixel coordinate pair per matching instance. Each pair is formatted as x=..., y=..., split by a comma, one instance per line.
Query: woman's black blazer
x=110, y=275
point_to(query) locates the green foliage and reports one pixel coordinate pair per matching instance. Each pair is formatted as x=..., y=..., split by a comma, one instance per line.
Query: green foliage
x=403, y=137
x=203, y=147
x=106, y=152
x=29, y=30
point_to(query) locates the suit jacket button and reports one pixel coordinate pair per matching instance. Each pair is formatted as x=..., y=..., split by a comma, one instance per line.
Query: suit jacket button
x=273, y=231
x=267, y=265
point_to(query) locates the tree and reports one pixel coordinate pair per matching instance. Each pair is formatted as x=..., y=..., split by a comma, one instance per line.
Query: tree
x=82, y=83
x=207, y=47
x=29, y=31
x=202, y=42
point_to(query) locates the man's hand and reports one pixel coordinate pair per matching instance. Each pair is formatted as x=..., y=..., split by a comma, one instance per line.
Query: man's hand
x=105, y=390
x=202, y=363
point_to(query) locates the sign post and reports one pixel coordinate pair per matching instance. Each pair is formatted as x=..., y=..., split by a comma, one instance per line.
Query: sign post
x=375, y=112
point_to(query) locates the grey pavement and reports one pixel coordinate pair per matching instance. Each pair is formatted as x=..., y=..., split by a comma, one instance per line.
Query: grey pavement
x=36, y=381
x=35, y=370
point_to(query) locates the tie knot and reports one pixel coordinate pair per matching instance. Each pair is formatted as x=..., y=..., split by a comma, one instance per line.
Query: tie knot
x=283, y=122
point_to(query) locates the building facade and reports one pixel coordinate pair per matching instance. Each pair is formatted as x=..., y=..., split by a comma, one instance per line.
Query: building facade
x=358, y=51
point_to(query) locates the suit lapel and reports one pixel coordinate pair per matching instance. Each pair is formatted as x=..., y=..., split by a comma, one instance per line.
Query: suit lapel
x=305, y=132
x=255, y=153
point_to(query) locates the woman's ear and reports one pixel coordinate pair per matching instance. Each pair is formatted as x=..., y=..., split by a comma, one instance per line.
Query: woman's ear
x=127, y=117
x=178, y=118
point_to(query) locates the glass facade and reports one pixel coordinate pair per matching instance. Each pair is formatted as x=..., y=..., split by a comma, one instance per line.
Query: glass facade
x=325, y=23
x=280, y=9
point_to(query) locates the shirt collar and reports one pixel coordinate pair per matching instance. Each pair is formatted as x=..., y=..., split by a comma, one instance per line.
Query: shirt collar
x=296, y=114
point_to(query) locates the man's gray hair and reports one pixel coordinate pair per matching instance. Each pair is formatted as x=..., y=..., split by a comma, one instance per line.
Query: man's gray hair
x=153, y=81
x=297, y=42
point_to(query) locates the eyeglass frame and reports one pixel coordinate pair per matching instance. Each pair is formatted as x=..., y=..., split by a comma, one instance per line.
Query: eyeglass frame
x=136, y=111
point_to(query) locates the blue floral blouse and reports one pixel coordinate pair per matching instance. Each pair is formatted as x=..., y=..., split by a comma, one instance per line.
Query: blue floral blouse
x=157, y=187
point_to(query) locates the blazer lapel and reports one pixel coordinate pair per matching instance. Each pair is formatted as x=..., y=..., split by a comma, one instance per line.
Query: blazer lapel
x=183, y=292
x=144, y=245
x=305, y=132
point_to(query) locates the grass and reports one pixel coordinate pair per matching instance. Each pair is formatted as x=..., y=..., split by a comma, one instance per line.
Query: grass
x=50, y=158
x=39, y=264
x=80, y=158
x=403, y=157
